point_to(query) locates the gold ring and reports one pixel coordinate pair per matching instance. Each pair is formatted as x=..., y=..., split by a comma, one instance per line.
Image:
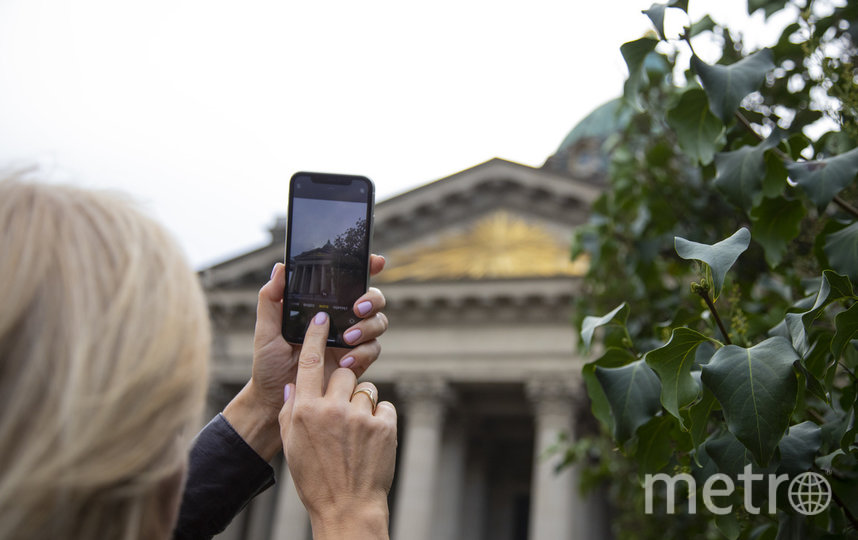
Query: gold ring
x=368, y=392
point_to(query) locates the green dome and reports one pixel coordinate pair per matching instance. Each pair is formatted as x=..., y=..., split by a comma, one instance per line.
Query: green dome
x=607, y=119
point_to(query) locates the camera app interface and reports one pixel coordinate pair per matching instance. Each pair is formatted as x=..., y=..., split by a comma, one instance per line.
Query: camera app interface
x=327, y=256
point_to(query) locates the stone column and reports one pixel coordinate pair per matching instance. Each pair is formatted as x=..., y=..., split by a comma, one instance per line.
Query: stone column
x=424, y=402
x=291, y=521
x=451, y=481
x=555, y=505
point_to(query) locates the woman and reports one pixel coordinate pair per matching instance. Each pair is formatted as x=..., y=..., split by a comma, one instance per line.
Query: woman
x=104, y=344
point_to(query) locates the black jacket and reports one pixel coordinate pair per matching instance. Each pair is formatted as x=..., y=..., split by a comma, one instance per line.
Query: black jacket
x=224, y=474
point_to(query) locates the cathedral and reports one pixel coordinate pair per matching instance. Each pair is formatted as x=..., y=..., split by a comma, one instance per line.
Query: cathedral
x=481, y=357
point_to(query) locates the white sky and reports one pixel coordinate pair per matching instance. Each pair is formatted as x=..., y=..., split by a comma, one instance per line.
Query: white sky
x=203, y=109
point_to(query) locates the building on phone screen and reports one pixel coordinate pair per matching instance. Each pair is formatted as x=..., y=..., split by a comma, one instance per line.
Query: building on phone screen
x=480, y=359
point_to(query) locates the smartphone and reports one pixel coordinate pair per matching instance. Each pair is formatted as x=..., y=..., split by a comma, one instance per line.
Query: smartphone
x=328, y=234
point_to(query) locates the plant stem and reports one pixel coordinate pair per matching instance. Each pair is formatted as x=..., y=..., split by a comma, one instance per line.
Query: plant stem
x=704, y=294
x=846, y=511
x=845, y=206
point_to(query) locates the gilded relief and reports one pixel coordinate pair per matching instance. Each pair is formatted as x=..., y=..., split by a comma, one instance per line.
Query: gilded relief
x=499, y=245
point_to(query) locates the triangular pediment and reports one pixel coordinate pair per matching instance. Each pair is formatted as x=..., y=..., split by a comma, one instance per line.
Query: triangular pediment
x=497, y=220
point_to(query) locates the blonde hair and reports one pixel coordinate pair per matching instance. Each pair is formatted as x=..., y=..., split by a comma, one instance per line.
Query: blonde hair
x=104, y=345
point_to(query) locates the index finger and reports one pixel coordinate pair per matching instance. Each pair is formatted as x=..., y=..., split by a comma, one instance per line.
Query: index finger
x=311, y=362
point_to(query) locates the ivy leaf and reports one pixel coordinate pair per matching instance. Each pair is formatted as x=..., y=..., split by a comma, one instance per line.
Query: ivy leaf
x=588, y=327
x=832, y=287
x=634, y=53
x=769, y=6
x=825, y=178
x=656, y=15
x=681, y=4
x=846, y=323
x=841, y=248
x=672, y=363
x=776, y=222
x=726, y=86
x=729, y=526
x=613, y=357
x=697, y=416
x=632, y=392
x=811, y=382
x=730, y=455
x=799, y=447
x=757, y=389
x=703, y=25
x=740, y=173
x=699, y=133
x=720, y=256
x=655, y=446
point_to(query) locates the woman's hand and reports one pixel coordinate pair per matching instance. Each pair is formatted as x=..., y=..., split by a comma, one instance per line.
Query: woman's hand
x=253, y=412
x=340, y=447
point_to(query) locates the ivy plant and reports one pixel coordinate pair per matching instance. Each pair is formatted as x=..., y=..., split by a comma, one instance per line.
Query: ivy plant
x=723, y=252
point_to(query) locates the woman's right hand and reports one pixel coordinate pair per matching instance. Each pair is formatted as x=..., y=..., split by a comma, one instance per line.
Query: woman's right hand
x=340, y=447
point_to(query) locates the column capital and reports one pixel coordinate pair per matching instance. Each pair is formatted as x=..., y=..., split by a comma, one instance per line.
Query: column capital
x=425, y=397
x=560, y=386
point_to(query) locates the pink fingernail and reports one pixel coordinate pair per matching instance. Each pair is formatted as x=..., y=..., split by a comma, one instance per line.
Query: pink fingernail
x=364, y=307
x=273, y=271
x=352, y=335
x=320, y=317
x=348, y=361
x=286, y=391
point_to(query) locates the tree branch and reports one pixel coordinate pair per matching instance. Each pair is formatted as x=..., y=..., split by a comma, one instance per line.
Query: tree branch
x=703, y=292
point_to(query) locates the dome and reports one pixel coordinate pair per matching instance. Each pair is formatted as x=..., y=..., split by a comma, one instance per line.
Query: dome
x=580, y=154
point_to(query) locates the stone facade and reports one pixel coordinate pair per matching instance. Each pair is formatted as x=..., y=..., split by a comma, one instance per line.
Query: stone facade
x=480, y=358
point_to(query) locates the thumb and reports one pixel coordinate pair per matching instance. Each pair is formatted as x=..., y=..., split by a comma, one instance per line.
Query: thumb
x=285, y=416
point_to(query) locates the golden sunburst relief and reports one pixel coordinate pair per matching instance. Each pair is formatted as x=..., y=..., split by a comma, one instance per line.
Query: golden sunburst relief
x=497, y=246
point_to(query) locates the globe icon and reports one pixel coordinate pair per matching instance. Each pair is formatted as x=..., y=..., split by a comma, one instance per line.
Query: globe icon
x=809, y=493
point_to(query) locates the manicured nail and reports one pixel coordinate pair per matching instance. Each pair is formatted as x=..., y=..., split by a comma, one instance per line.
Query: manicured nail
x=364, y=307
x=286, y=391
x=352, y=335
x=347, y=361
x=273, y=271
x=320, y=317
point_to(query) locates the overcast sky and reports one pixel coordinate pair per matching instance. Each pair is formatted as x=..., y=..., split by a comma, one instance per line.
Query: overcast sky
x=203, y=109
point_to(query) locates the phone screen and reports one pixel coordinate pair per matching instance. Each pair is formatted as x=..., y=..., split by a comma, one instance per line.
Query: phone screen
x=327, y=251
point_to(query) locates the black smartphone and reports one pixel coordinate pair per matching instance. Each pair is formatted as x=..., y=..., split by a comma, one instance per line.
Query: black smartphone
x=328, y=234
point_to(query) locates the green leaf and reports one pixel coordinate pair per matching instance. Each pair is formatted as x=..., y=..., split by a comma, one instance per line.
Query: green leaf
x=741, y=173
x=832, y=287
x=632, y=392
x=799, y=447
x=841, y=248
x=731, y=456
x=776, y=222
x=656, y=15
x=757, y=390
x=703, y=25
x=588, y=327
x=613, y=357
x=825, y=178
x=634, y=53
x=681, y=4
x=672, y=363
x=726, y=86
x=770, y=6
x=699, y=133
x=776, y=176
x=698, y=417
x=719, y=256
x=846, y=323
x=729, y=526
x=654, y=448
x=811, y=382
